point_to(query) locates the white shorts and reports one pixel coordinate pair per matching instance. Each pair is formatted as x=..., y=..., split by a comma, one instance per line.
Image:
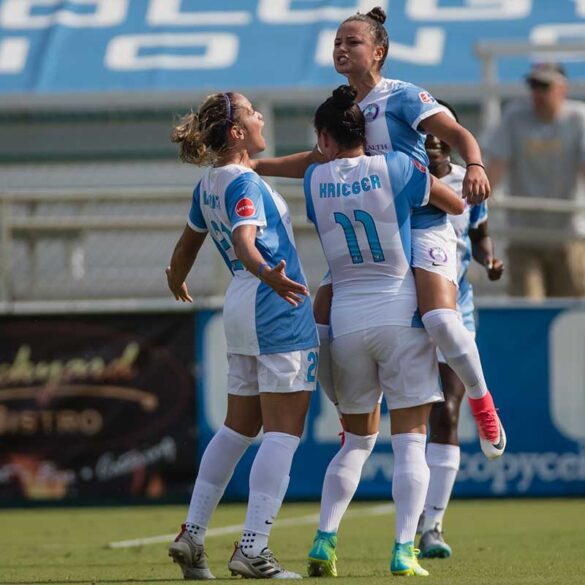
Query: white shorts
x=435, y=249
x=397, y=360
x=291, y=371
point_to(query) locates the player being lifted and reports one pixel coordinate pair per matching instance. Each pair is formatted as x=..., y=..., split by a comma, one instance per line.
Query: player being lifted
x=361, y=207
x=270, y=331
x=443, y=454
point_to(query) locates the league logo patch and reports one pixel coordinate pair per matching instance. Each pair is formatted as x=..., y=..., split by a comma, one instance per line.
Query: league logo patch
x=419, y=166
x=245, y=207
x=438, y=255
x=371, y=112
x=426, y=98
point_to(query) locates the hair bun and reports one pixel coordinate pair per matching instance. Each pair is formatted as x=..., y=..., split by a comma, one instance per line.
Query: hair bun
x=377, y=14
x=344, y=96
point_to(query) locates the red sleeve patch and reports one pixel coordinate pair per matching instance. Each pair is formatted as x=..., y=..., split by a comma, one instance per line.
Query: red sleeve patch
x=426, y=98
x=245, y=207
x=420, y=167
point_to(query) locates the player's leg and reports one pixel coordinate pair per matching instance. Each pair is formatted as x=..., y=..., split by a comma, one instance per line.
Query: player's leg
x=286, y=383
x=355, y=376
x=443, y=456
x=242, y=423
x=435, y=276
x=410, y=381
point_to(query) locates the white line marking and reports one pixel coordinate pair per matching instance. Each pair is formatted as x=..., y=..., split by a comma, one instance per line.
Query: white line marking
x=236, y=528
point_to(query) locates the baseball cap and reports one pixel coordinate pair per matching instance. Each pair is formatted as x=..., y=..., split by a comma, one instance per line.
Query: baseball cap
x=546, y=73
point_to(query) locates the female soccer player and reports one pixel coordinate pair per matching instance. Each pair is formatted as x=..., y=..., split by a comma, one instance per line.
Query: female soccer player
x=361, y=207
x=443, y=454
x=270, y=330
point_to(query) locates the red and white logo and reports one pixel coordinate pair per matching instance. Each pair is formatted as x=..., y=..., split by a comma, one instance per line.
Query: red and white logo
x=425, y=97
x=420, y=167
x=245, y=207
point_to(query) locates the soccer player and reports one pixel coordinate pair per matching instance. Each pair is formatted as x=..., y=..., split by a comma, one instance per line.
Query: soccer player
x=443, y=454
x=270, y=331
x=361, y=207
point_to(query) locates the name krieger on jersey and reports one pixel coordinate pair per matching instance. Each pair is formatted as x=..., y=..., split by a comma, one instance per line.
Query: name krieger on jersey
x=346, y=189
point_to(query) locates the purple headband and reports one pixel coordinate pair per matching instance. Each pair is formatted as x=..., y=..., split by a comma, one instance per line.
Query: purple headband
x=228, y=105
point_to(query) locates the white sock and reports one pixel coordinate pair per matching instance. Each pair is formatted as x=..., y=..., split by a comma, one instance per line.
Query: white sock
x=457, y=344
x=269, y=478
x=216, y=469
x=325, y=372
x=342, y=478
x=443, y=462
x=409, y=483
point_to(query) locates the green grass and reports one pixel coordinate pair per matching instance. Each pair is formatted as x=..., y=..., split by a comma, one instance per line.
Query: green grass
x=508, y=542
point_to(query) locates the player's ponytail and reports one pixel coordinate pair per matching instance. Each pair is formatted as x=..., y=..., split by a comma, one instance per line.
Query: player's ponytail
x=202, y=135
x=342, y=118
x=375, y=20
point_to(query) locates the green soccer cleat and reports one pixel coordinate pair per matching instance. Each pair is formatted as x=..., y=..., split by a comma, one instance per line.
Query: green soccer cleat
x=322, y=555
x=404, y=562
x=433, y=546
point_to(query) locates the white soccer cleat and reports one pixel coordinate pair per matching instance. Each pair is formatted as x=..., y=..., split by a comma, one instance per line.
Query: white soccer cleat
x=190, y=556
x=264, y=566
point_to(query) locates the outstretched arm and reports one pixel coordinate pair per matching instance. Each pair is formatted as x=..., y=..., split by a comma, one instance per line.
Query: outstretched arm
x=292, y=166
x=476, y=186
x=445, y=198
x=182, y=260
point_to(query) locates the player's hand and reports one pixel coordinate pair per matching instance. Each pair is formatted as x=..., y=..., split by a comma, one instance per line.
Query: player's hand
x=476, y=187
x=494, y=269
x=180, y=291
x=292, y=292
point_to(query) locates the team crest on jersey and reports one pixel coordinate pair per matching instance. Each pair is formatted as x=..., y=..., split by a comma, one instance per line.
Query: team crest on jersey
x=245, y=207
x=426, y=98
x=419, y=166
x=371, y=112
x=438, y=255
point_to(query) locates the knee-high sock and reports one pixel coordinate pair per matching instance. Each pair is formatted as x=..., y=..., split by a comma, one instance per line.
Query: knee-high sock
x=216, y=469
x=409, y=483
x=342, y=478
x=456, y=343
x=443, y=462
x=269, y=478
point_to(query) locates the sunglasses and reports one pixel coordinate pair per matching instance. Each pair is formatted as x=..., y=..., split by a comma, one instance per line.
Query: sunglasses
x=538, y=85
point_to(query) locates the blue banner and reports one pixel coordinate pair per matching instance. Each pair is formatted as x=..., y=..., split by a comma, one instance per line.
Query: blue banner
x=56, y=46
x=533, y=360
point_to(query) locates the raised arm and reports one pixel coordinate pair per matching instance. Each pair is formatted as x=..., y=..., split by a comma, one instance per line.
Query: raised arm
x=445, y=198
x=182, y=260
x=476, y=186
x=243, y=240
x=292, y=166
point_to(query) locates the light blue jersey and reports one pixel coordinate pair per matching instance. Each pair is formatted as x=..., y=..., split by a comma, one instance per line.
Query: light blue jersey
x=361, y=208
x=393, y=111
x=471, y=218
x=257, y=321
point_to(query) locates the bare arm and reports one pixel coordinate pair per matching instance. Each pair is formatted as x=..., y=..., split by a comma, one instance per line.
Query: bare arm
x=482, y=249
x=182, y=261
x=476, y=186
x=292, y=166
x=445, y=198
x=244, y=242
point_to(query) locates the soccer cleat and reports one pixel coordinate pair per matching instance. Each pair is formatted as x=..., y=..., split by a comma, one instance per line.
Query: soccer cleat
x=322, y=555
x=404, y=561
x=492, y=437
x=264, y=566
x=433, y=546
x=190, y=556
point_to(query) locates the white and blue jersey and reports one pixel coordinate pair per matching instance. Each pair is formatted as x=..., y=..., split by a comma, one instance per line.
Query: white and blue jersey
x=471, y=218
x=257, y=321
x=361, y=208
x=393, y=111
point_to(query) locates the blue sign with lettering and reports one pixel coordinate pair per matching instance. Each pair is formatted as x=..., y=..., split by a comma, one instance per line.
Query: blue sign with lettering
x=533, y=360
x=55, y=46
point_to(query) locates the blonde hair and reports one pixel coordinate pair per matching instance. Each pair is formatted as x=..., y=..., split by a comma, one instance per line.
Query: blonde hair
x=202, y=135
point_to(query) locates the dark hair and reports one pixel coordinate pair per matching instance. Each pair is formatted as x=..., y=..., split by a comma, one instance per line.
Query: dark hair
x=375, y=19
x=341, y=116
x=450, y=108
x=202, y=135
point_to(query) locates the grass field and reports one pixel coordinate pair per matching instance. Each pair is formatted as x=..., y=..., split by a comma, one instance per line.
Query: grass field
x=507, y=542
